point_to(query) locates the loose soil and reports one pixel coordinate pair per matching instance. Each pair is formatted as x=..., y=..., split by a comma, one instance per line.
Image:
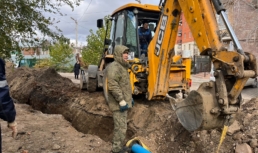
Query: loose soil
x=55, y=116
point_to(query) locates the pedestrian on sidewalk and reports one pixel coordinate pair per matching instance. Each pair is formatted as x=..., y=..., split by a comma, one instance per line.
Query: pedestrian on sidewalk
x=119, y=95
x=76, y=69
x=7, y=108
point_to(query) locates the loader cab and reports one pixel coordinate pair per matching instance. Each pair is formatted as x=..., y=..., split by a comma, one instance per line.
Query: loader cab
x=126, y=21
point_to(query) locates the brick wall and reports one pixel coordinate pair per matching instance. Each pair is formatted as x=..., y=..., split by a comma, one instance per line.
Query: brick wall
x=243, y=15
x=186, y=32
x=185, y=40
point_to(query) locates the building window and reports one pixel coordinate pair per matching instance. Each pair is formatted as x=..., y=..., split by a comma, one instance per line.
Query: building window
x=189, y=46
x=180, y=22
x=180, y=32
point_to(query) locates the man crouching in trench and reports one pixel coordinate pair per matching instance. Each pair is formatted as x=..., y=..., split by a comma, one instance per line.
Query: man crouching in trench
x=119, y=95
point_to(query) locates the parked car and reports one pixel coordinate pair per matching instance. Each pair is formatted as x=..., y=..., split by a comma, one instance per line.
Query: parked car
x=253, y=82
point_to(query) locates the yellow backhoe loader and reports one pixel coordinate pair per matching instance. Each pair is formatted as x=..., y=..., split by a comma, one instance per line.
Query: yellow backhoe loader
x=174, y=69
x=161, y=75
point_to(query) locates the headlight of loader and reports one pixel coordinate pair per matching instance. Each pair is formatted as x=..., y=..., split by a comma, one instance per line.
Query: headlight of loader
x=136, y=68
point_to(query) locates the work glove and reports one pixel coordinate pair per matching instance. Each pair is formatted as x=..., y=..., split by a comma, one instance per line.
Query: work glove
x=13, y=127
x=123, y=106
x=132, y=102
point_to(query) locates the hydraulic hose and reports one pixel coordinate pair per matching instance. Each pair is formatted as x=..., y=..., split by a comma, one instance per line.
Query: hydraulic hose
x=221, y=11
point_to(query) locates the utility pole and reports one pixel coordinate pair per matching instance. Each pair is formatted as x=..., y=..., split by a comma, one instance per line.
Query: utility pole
x=76, y=44
x=139, y=1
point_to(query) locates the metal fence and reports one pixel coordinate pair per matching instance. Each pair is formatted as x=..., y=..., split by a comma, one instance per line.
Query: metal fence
x=201, y=64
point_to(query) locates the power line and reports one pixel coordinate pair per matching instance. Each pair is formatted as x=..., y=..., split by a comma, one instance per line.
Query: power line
x=85, y=10
x=96, y=12
x=88, y=21
x=78, y=13
x=62, y=20
x=65, y=14
x=83, y=27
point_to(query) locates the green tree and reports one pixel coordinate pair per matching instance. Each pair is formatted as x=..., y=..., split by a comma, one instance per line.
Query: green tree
x=60, y=55
x=95, y=47
x=20, y=19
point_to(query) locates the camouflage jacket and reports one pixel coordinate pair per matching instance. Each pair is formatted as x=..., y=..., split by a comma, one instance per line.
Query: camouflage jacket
x=119, y=87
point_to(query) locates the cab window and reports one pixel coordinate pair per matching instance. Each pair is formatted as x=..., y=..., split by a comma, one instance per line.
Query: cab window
x=119, y=29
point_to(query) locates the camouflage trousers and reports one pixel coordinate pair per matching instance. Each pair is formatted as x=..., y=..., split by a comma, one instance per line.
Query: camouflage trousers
x=120, y=127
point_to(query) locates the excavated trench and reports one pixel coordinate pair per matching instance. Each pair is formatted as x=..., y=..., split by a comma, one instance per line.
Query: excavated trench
x=153, y=122
x=50, y=93
x=47, y=91
x=83, y=120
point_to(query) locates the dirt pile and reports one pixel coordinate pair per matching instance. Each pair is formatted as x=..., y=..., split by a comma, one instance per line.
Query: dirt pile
x=154, y=122
x=26, y=83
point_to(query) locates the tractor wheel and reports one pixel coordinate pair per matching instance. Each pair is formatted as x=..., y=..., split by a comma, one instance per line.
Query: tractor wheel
x=83, y=84
x=255, y=84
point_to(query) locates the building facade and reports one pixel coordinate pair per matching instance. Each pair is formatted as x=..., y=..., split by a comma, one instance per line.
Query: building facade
x=185, y=40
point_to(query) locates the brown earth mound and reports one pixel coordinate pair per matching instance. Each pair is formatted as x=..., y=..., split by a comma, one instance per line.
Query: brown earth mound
x=153, y=122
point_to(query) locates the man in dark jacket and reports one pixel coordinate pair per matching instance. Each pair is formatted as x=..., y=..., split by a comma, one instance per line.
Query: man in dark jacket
x=7, y=108
x=144, y=37
x=119, y=95
x=76, y=69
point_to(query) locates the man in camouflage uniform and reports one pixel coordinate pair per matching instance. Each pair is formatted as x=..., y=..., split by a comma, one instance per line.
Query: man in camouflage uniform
x=119, y=95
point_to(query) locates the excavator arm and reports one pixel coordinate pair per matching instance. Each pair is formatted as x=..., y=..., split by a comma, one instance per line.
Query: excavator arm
x=214, y=103
x=202, y=22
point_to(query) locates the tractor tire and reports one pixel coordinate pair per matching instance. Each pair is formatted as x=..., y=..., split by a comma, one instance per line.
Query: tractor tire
x=83, y=85
x=92, y=84
x=83, y=80
x=255, y=84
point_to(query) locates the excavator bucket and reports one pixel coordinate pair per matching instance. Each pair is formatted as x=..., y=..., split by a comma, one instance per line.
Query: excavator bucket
x=196, y=112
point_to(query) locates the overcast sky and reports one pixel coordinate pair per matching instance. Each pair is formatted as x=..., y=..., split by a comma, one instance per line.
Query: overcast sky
x=87, y=14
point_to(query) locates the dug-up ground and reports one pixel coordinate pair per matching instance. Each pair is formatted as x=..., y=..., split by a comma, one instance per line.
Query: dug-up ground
x=55, y=116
